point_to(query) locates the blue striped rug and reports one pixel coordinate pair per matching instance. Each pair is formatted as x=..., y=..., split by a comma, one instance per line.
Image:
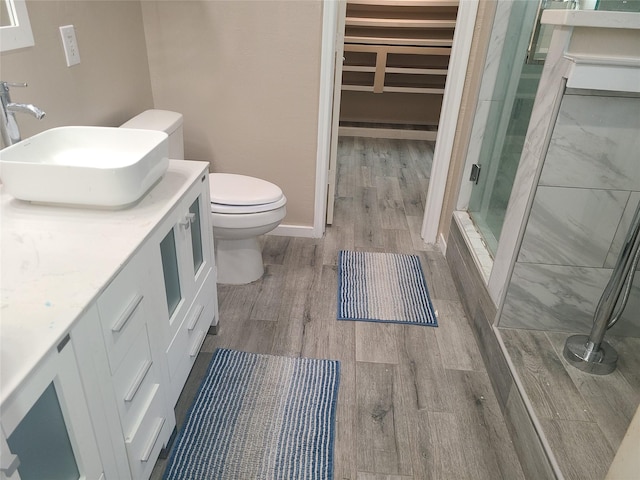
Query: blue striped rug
x=259, y=417
x=383, y=287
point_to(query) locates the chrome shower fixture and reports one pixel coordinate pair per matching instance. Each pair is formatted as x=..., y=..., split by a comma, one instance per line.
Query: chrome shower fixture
x=591, y=353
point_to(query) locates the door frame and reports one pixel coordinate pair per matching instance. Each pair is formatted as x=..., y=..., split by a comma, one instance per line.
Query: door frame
x=326, y=156
x=460, y=50
x=335, y=108
x=330, y=29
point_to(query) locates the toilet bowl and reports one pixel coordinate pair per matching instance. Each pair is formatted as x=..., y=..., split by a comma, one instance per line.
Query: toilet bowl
x=242, y=207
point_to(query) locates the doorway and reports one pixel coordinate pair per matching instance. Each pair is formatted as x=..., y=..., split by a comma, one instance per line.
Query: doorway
x=449, y=94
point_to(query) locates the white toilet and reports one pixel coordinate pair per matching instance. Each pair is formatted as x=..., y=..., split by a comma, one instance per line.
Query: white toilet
x=242, y=207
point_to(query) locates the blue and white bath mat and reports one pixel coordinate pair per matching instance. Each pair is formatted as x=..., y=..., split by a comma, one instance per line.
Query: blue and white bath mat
x=259, y=417
x=383, y=287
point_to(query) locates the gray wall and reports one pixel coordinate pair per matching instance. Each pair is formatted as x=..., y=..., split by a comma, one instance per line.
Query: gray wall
x=246, y=77
x=588, y=191
x=111, y=83
x=245, y=74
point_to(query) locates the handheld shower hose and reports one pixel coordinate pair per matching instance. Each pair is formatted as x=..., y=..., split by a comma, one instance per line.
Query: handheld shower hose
x=591, y=353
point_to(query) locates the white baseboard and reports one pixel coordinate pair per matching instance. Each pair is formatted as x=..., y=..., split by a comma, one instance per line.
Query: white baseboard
x=442, y=243
x=295, y=231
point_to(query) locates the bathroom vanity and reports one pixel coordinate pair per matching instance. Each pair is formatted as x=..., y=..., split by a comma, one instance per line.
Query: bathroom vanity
x=103, y=313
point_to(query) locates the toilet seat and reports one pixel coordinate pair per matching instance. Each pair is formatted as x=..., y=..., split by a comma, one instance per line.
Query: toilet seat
x=240, y=209
x=238, y=194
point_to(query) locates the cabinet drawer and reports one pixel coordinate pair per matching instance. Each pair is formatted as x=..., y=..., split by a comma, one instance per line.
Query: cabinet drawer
x=147, y=437
x=186, y=344
x=135, y=380
x=122, y=311
x=189, y=328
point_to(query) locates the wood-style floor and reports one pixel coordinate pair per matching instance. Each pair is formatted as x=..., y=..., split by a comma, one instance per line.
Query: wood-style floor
x=415, y=402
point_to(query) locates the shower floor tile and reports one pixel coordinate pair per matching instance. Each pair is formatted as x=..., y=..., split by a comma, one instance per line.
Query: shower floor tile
x=584, y=417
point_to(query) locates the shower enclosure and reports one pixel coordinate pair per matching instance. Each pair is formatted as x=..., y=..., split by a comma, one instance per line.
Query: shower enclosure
x=585, y=188
x=558, y=186
x=508, y=90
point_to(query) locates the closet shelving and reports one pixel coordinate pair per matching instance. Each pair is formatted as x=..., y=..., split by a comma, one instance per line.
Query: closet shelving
x=396, y=56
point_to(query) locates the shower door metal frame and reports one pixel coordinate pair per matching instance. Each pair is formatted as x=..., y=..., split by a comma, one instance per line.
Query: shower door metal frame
x=480, y=152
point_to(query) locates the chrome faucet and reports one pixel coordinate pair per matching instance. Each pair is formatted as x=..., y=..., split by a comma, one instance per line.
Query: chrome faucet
x=8, y=125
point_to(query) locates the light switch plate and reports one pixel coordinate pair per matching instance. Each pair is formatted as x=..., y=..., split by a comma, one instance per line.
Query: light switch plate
x=70, y=45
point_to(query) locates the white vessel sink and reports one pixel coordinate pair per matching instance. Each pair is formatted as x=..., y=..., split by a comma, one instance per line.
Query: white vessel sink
x=90, y=166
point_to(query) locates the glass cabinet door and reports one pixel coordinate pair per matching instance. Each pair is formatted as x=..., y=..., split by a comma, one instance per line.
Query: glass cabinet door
x=196, y=236
x=185, y=255
x=9, y=462
x=169, y=254
x=47, y=426
x=42, y=443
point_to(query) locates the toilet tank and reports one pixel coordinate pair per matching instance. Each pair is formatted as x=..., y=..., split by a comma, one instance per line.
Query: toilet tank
x=165, y=121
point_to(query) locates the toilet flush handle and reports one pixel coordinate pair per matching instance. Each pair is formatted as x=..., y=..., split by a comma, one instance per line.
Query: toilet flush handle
x=189, y=218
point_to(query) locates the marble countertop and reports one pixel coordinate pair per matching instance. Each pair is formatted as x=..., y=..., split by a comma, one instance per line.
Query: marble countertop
x=56, y=260
x=592, y=18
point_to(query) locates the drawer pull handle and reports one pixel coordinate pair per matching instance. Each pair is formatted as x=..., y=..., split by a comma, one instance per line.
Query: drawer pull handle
x=154, y=438
x=197, y=344
x=133, y=389
x=127, y=314
x=195, y=316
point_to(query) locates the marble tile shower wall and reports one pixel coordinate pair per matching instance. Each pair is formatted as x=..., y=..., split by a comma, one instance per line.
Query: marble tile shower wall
x=587, y=194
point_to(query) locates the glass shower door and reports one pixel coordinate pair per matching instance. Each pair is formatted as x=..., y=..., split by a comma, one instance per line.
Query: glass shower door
x=500, y=158
x=514, y=90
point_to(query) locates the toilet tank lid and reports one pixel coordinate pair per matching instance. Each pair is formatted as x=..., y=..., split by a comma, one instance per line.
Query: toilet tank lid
x=162, y=120
x=233, y=189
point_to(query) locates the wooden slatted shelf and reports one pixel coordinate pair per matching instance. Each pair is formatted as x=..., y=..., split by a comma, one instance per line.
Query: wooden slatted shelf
x=357, y=88
x=407, y=3
x=415, y=71
x=399, y=23
x=357, y=68
x=430, y=91
x=385, y=68
x=400, y=49
x=418, y=42
x=396, y=52
x=377, y=132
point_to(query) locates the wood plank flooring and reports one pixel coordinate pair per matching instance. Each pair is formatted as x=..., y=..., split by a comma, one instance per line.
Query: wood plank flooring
x=415, y=402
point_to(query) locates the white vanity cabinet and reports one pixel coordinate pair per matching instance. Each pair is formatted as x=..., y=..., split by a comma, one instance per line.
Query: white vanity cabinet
x=185, y=274
x=46, y=423
x=132, y=295
x=135, y=361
